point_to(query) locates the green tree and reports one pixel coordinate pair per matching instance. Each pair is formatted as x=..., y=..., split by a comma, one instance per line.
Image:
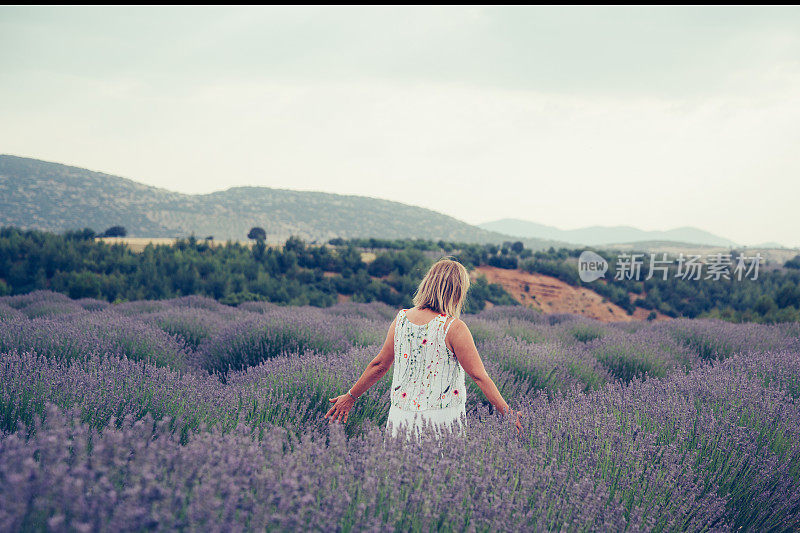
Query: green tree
x=257, y=234
x=115, y=231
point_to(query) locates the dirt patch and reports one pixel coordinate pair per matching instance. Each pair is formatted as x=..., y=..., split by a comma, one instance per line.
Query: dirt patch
x=138, y=244
x=551, y=295
x=641, y=314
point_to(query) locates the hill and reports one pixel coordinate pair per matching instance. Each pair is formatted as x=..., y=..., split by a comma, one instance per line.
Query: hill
x=53, y=197
x=604, y=235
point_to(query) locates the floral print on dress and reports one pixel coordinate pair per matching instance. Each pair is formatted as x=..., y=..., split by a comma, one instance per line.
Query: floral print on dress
x=428, y=375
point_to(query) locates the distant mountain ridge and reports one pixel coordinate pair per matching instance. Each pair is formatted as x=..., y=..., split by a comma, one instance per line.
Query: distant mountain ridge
x=604, y=235
x=54, y=197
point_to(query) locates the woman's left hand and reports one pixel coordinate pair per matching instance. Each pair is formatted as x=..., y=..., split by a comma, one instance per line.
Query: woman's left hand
x=341, y=408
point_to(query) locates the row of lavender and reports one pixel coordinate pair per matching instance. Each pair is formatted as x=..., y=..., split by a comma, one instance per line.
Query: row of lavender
x=192, y=415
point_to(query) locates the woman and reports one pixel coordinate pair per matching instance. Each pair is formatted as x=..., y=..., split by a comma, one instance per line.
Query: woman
x=432, y=349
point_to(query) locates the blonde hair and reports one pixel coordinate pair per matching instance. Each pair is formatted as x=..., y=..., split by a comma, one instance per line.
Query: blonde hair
x=444, y=288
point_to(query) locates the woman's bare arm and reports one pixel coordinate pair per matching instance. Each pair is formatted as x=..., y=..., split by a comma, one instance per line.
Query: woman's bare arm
x=378, y=367
x=375, y=370
x=463, y=345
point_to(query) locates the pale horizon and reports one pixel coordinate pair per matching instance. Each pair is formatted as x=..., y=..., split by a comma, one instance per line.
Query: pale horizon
x=654, y=118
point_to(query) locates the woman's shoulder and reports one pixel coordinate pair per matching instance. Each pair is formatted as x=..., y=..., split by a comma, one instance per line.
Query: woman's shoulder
x=457, y=320
x=454, y=332
x=455, y=325
x=399, y=316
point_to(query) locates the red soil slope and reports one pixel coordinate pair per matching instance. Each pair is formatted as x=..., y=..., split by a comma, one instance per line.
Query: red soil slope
x=551, y=295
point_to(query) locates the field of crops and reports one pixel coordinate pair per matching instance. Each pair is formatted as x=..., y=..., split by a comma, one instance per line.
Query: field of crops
x=188, y=414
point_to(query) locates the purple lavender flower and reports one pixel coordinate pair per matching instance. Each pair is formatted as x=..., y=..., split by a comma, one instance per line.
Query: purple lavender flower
x=116, y=417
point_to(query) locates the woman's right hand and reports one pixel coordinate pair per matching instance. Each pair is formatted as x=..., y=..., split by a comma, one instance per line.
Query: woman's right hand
x=514, y=417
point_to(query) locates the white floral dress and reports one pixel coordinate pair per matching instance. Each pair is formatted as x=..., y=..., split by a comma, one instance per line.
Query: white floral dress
x=428, y=381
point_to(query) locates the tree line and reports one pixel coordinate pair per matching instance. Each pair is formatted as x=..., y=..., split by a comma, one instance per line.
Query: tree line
x=773, y=297
x=76, y=264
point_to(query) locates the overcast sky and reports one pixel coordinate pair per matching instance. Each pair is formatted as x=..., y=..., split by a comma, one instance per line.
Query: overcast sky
x=567, y=116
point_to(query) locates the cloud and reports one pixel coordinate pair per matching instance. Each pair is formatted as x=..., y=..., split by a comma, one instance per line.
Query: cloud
x=655, y=118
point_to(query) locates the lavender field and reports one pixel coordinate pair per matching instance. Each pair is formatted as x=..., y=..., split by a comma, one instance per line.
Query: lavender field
x=188, y=414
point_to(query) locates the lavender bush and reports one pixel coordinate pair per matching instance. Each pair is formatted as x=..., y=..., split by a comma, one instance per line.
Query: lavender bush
x=192, y=325
x=71, y=337
x=23, y=300
x=260, y=338
x=553, y=366
x=91, y=304
x=9, y=313
x=716, y=339
x=187, y=414
x=645, y=352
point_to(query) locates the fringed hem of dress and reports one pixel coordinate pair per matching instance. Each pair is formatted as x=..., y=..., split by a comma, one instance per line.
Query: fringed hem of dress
x=413, y=423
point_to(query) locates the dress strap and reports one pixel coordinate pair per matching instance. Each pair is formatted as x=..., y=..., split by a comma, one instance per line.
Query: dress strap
x=447, y=328
x=397, y=322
